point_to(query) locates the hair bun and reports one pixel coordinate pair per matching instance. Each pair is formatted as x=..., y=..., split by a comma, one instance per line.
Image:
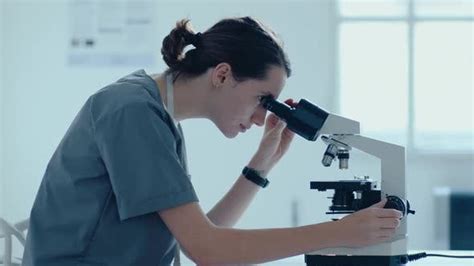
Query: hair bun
x=196, y=40
x=174, y=43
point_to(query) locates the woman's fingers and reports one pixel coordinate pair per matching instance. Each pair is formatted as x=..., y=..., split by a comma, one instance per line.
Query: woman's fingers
x=280, y=126
x=389, y=223
x=389, y=213
x=274, y=125
x=271, y=121
x=291, y=103
x=379, y=204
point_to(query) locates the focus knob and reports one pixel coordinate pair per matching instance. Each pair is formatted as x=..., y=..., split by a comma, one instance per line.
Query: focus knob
x=394, y=202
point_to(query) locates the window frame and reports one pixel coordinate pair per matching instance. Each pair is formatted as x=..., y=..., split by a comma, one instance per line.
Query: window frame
x=411, y=19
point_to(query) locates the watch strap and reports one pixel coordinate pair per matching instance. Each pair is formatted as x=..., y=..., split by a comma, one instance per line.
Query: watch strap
x=253, y=176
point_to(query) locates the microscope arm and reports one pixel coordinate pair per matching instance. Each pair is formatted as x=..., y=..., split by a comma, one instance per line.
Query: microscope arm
x=392, y=160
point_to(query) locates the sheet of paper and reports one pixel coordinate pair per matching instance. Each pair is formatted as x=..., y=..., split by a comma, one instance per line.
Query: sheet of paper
x=112, y=33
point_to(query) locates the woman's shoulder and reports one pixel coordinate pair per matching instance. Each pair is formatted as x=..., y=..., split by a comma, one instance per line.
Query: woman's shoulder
x=134, y=90
x=137, y=86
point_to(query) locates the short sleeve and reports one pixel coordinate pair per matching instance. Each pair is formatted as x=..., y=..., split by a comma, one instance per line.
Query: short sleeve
x=139, y=151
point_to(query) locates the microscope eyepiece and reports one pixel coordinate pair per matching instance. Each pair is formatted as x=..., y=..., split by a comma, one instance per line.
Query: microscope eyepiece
x=303, y=118
x=281, y=110
x=267, y=102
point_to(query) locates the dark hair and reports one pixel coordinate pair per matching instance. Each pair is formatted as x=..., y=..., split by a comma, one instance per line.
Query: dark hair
x=248, y=46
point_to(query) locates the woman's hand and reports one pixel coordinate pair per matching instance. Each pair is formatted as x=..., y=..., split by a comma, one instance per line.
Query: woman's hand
x=275, y=142
x=368, y=226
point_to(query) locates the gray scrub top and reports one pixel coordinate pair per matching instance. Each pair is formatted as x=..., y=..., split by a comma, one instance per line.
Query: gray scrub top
x=121, y=160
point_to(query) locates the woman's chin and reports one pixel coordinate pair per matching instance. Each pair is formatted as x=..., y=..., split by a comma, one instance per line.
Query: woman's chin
x=230, y=133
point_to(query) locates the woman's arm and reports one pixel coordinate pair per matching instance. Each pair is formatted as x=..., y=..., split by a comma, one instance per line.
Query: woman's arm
x=230, y=208
x=206, y=243
x=274, y=144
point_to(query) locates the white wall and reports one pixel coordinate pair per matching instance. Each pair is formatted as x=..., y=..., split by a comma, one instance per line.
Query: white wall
x=42, y=94
x=2, y=177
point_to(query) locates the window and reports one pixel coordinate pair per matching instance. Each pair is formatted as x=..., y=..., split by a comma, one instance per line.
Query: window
x=443, y=97
x=372, y=73
x=406, y=71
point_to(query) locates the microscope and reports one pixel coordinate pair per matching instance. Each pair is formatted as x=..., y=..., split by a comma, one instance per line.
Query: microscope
x=341, y=135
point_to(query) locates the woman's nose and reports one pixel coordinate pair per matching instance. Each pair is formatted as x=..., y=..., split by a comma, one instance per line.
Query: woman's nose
x=258, y=118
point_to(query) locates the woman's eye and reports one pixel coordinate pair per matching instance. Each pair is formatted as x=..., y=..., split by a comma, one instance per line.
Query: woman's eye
x=260, y=98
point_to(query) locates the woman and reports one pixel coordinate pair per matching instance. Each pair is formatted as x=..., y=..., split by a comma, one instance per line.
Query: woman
x=117, y=191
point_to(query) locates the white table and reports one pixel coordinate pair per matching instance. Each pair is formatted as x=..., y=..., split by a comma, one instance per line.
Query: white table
x=428, y=261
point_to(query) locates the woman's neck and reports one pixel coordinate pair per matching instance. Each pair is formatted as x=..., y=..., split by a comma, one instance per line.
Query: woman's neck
x=189, y=96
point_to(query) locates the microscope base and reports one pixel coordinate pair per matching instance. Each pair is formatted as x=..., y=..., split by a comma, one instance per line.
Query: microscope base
x=341, y=260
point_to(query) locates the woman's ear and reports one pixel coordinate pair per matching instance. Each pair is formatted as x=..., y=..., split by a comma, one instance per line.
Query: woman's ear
x=222, y=75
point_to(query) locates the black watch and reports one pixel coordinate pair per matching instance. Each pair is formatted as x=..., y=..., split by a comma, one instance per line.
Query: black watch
x=254, y=176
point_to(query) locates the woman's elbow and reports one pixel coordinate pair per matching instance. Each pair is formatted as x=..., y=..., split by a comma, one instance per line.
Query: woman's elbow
x=202, y=254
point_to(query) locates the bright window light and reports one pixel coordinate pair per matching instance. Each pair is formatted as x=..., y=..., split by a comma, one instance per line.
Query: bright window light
x=443, y=84
x=444, y=8
x=355, y=8
x=373, y=77
x=406, y=71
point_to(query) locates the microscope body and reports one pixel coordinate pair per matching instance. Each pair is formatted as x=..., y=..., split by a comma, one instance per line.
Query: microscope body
x=342, y=135
x=392, y=178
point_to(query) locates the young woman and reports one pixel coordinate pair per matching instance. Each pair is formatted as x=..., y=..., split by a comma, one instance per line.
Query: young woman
x=117, y=191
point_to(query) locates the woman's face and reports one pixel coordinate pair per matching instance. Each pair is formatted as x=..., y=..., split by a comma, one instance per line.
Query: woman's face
x=238, y=103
